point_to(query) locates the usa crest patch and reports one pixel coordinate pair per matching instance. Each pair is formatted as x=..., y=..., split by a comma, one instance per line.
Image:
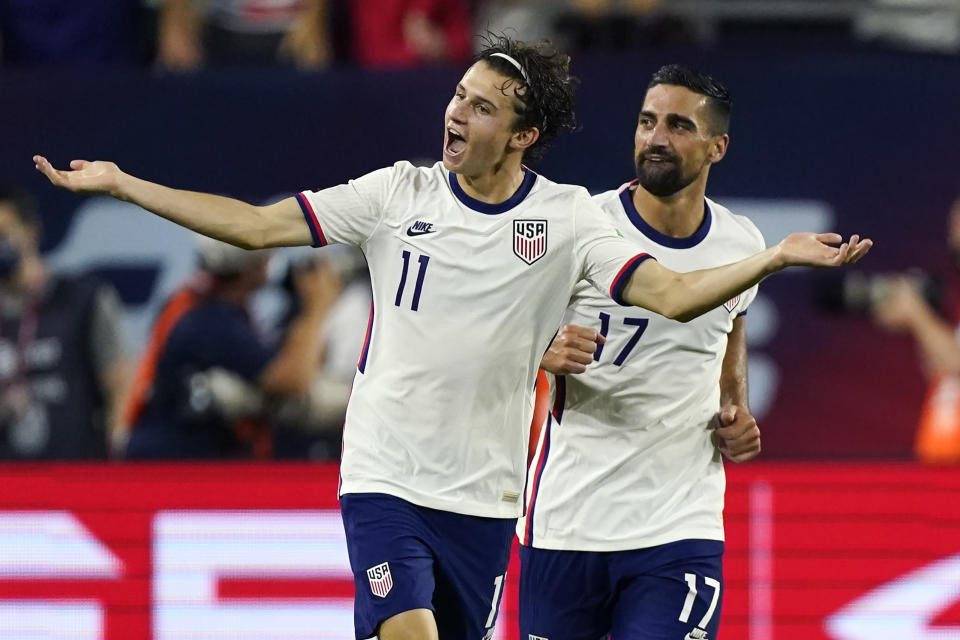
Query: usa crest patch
x=529, y=239
x=380, y=579
x=732, y=303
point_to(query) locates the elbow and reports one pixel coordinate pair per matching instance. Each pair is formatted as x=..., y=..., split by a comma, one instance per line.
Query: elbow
x=250, y=243
x=675, y=305
x=684, y=316
x=679, y=313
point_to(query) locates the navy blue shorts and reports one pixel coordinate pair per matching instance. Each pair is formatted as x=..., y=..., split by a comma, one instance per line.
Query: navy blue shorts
x=669, y=592
x=407, y=557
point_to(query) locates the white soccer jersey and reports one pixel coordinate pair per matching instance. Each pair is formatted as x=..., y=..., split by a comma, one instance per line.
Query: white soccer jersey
x=626, y=461
x=466, y=298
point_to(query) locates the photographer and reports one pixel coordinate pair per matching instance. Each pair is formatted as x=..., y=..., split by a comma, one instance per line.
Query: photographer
x=207, y=381
x=62, y=368
x=904, y=308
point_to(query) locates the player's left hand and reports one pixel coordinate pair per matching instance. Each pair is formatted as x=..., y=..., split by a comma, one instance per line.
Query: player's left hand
x=738, y=435
x=816, y=250
x=572, y=350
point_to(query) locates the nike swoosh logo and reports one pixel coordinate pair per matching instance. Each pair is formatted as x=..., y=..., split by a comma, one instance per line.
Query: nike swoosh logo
x=411, y=232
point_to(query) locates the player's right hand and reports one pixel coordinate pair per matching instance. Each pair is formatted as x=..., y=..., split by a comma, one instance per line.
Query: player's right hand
x=572, y=350
x=816, y=250
x=84, y=176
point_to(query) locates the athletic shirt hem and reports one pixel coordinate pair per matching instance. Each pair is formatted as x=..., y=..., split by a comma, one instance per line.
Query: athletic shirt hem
x=505, y=511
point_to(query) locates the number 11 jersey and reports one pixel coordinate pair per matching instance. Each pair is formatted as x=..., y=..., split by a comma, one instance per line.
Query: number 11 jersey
x=466, y=298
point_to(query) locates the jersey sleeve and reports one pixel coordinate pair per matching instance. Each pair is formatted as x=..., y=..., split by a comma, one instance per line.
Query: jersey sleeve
x=607, y=259
x=347, y=213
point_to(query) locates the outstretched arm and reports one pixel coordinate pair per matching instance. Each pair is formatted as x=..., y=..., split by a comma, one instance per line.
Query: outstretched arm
x=241, y=224
x=684, y=296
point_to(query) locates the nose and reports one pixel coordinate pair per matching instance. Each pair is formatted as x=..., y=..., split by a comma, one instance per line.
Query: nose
x=657, y=135
x=457, y=112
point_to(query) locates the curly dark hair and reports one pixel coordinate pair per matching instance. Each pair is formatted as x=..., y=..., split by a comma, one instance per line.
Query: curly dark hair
x=718, y=98
x=544, y=87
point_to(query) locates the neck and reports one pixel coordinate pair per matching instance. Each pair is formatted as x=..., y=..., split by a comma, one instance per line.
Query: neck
x=678, y=215
x=496, y=186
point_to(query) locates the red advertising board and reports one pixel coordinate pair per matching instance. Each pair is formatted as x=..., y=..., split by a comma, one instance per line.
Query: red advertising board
x=142, y=552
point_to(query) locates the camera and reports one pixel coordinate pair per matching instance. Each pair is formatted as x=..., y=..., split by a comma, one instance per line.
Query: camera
x=860, y=293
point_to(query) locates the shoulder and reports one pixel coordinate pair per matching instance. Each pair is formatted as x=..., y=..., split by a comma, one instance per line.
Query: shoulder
x=609, y=201
x=739, y=225
x=406, y=177
x=546, y=188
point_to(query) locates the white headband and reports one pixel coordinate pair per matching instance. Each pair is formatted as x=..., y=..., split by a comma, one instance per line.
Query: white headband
x=514, y=63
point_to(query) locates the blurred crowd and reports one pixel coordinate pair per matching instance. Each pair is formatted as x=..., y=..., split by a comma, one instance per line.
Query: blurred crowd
x=213, y=380
x=187, y=35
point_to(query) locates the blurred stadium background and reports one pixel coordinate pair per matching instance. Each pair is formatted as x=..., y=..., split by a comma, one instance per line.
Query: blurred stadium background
x=845, y=118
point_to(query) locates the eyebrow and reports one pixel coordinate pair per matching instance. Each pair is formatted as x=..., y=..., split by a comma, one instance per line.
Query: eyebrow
x=460, y=87
x=672, y=118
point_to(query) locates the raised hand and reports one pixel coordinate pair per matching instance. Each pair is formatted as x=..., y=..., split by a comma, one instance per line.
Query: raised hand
x=572, y=350
x=815, y=250
x=83, y=176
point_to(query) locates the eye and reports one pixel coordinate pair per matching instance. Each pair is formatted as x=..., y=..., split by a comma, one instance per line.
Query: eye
x=646, y=122
x=484, y=109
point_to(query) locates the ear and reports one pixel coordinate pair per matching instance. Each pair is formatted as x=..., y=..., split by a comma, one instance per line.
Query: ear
x=523, y=140
x=718, y=148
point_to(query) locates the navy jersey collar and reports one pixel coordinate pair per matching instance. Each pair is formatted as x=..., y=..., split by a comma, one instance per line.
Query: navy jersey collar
x=626, y=197
x=529, y=177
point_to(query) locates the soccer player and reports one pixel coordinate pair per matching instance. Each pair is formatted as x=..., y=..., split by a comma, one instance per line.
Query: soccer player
x=472, y=263
x=624, y=529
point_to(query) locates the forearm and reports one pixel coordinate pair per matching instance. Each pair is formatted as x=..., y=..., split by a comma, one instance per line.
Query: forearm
x=733, y=371
x=295, y=365
x=937, y=342
x=684, y=296
x=226, y=219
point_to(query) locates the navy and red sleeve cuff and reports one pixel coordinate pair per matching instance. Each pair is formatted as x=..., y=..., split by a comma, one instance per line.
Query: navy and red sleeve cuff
x=623, y=277
x=319, y=240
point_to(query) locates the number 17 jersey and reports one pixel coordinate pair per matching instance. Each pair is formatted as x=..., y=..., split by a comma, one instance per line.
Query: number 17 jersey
x=627, y=462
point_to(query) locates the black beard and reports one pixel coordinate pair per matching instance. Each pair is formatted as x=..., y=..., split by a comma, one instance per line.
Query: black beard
x=662, y=179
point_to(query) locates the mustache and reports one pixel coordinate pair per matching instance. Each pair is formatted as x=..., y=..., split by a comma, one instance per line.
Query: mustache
x=658, y=151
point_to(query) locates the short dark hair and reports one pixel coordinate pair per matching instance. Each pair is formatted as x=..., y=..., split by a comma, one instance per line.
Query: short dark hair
x=718, y=98
x=24, y=206
x=545, y=88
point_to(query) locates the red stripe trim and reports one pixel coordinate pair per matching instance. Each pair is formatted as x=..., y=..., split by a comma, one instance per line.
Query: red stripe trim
x=616, y=288
x=362, y=363
x=312, y=219
x=544, y=454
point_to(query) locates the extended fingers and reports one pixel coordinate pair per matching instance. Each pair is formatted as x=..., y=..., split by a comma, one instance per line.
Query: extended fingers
x=56, y=177
x=860, y=250
x=829, y=238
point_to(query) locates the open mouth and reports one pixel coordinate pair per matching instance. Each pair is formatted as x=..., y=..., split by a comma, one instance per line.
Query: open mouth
x=455, y=143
